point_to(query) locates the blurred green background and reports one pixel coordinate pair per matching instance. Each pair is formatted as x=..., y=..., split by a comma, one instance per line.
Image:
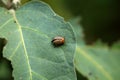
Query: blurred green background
x=100, y=18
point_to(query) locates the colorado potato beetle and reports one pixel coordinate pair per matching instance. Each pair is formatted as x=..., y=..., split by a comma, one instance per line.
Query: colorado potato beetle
x=58, y=41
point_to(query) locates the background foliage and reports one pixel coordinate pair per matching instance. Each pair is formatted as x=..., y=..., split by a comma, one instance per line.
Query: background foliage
x=100, y=18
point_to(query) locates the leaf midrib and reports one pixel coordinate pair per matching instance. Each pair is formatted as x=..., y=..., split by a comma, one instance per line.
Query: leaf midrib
x=23, y=43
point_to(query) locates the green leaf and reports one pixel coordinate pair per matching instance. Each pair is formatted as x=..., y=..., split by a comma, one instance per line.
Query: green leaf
x=29, y=33
x=97, y=63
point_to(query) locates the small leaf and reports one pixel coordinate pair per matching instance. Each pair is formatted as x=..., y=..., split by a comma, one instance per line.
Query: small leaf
x=29, y=33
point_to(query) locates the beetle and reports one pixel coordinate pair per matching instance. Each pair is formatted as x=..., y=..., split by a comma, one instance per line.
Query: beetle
x=58, y=41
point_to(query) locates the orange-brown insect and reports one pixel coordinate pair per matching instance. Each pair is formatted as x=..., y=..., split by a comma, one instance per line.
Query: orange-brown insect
x=58, y=41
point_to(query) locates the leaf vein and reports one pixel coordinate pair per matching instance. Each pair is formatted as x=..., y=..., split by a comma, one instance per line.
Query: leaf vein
x=15, y=50
x=80, y=51
x=36, y=31
x=39, y=59
x=6, y=23
x=40, y=76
